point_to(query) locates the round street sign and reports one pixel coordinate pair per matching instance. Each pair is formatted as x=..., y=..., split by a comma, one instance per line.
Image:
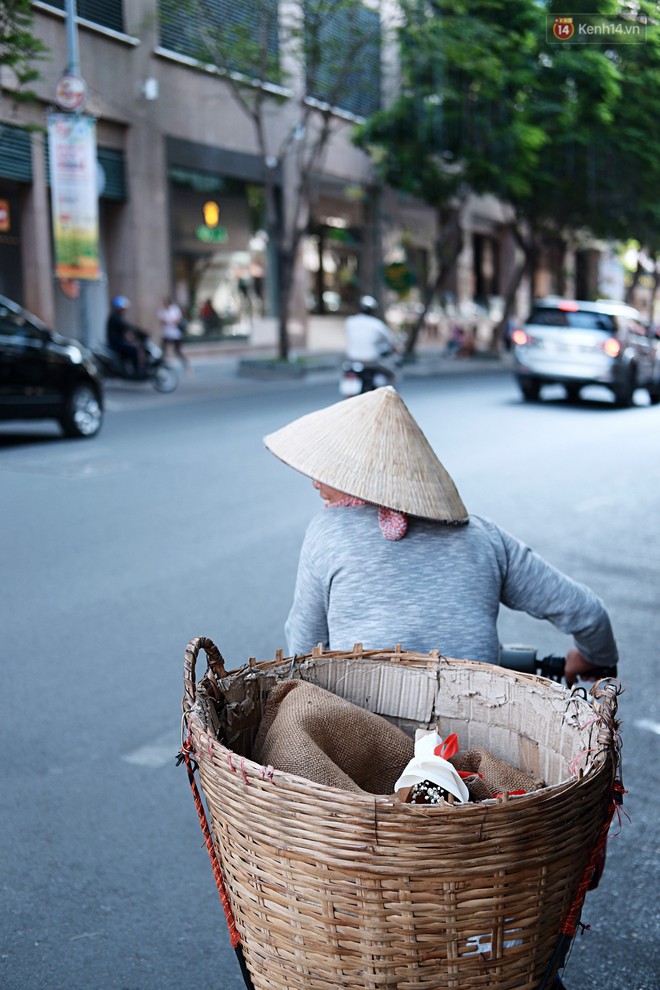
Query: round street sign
x=71, y=92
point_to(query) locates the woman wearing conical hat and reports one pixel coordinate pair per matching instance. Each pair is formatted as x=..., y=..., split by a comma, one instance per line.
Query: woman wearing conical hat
x=395, y=557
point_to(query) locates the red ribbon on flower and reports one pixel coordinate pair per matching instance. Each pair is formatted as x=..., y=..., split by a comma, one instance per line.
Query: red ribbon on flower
x=447, y=748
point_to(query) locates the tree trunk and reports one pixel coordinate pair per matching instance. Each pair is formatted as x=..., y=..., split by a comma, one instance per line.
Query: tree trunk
x=527, y=265
x=654, y=291
x=634, y=282
x=448, y=246
x=285, y=267
x=288, y=258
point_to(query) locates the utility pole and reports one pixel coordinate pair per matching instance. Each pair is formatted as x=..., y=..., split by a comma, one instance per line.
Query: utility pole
x=72, y=139
x=73, y=69
x=72, y=50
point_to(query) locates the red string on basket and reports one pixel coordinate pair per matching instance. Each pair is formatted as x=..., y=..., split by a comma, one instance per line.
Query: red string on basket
x=234, y=936
x=597, y=857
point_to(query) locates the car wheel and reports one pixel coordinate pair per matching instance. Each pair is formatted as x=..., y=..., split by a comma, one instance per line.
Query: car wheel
x=654, y=394
x=530, y=389
x=83, y=415
x=165, y=378
x=625, y=390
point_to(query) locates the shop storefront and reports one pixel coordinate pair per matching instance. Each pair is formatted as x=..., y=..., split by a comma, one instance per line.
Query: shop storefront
x=220, y=251
x=337, y=252
x=332, y=259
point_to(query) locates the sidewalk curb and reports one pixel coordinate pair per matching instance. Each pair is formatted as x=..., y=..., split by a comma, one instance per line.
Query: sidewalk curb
x=423, y=365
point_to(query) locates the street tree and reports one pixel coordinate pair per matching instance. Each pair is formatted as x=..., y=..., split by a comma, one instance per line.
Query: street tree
x=20, y=49
x=515, y=112
x=292, y=69
x=626, y=167
x=466, y=74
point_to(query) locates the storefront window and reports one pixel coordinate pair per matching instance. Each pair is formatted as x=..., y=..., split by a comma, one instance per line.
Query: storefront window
x=220, y=253
x=331, y=256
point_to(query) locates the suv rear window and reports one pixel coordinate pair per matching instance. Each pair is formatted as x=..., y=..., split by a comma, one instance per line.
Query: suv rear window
x=579, y=319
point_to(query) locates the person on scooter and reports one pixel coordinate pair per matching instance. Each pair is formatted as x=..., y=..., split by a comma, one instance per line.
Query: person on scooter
x=124, y=338
x=368, y=338
x=396, y=557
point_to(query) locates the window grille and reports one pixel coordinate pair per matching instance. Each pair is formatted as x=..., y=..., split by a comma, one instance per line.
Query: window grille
x=105, y=13
x=343, y=57
x=15, y=154
x=214, y=31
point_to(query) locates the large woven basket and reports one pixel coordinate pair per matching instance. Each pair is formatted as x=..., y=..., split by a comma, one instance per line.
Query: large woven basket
x=333, y=889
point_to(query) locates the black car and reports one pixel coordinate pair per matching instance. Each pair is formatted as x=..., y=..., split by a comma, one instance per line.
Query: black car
x=46, y=376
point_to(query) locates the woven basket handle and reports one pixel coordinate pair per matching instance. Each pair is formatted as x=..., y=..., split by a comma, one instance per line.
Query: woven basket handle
x=214, y=662
x=605, y=705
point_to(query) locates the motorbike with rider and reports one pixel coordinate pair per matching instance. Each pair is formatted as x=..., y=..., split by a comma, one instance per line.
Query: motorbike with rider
x=129, y=353
x=372, y=351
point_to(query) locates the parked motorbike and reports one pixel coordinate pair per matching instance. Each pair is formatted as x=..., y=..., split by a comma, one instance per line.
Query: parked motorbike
x=162, y=375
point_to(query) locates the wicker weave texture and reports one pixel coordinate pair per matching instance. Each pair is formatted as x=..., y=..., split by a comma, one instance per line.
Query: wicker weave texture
x=335, y=889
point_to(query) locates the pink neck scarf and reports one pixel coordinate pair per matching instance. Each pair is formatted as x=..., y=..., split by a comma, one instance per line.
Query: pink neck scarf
x=393, y=524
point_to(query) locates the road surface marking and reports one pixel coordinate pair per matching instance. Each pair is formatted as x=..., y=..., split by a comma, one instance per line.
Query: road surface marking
x=156, y=754
x=646, y=723
x=596, y=502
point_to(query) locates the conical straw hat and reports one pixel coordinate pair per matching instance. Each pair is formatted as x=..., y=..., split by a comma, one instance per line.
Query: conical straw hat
x=370, y=447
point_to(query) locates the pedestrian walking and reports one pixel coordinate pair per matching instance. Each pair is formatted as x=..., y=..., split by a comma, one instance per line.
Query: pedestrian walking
x=170, y=318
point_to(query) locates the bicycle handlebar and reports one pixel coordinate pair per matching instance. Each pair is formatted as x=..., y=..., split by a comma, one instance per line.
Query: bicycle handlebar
x=526, y=660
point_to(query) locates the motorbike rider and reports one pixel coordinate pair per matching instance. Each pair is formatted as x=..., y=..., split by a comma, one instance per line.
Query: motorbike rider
x=123, y=338
x=368, y=338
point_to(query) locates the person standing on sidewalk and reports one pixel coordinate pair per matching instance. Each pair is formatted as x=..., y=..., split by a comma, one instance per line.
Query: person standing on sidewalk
x=170, y=318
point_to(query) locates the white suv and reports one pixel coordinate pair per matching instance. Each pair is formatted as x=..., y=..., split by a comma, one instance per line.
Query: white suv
x=575, y=343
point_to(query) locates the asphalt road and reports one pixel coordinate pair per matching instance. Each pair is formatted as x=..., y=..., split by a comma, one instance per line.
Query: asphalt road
x=175, y=522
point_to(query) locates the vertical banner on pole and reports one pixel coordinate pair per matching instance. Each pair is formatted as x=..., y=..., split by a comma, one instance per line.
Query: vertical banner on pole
x=74, y=195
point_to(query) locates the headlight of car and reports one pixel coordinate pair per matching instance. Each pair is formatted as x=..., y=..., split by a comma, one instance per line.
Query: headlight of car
x=74, y=353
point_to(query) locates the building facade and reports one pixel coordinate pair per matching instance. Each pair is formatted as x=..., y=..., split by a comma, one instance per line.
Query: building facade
x=181, y=185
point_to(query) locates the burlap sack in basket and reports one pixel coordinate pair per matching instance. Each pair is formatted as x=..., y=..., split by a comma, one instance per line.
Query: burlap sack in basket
x=491, y=776
x=311, y=732
x=333, y=889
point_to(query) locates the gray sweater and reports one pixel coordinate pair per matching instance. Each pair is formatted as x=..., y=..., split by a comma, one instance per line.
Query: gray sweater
x=440, y=587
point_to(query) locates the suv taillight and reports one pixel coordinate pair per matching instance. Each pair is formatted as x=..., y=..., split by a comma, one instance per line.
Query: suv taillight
x=612, y=347
x=519, y=337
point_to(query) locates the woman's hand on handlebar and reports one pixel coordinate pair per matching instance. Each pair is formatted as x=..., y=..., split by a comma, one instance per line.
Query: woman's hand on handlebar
x=578, y=666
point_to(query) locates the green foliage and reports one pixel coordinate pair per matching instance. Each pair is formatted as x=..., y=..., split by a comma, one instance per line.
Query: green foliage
x=626, y=167
x=19, y=48
x=563, y=132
